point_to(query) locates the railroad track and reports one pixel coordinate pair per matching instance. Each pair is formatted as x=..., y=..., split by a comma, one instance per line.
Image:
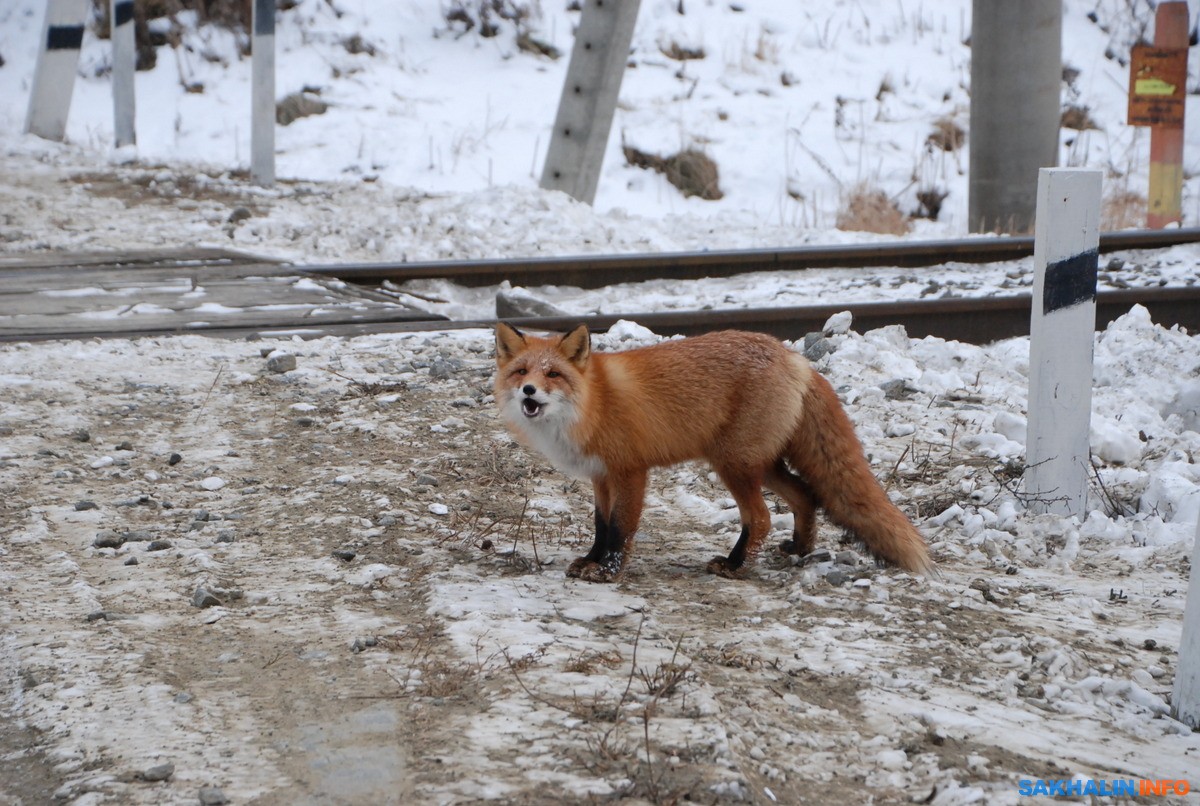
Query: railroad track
x=968, y=319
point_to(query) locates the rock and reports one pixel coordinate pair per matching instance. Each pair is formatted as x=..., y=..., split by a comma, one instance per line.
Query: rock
x=281, y=362
x=137, y=536
x=846, y=557
x=818, y=556
x=97, y=615
x=226, y=536
x=132, y=561
x=213, y=483
x=239, y=215
x=158, y=545
x=427, y=480
x=125, y=445
x=174, y=459
x=345, y=555
x=203, y=598
x=83, y=506
x=212, y=796
x=816, y=346
x=81, y=435
x=108, y=540
x=897, y=389
x=442, y=368
x=159, y=772
x=837, y=577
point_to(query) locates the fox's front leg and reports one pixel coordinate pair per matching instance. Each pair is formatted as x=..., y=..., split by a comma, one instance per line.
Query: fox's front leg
x=619, y=502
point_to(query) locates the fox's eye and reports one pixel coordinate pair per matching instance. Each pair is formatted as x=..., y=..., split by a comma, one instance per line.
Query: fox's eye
x=553, y=374
x=521, y=371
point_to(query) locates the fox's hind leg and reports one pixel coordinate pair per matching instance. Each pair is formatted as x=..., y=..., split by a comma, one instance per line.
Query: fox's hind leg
x=619, y=504
x=803, y=503
x=746, y=489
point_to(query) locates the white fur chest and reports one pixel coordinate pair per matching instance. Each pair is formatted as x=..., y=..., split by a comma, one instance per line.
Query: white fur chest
x=550, y=435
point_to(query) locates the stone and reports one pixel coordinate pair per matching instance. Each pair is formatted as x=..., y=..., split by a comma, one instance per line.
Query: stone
x=108, y=540
x=174, y=459
x=203, y=598
x=83, y=506
x=281, y=362
x=212, y=796
x=159, y=772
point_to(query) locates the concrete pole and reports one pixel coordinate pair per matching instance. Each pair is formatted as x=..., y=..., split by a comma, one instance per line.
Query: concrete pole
x=1016, y=76
x=589, y=98
x=1185, y=696
x=124, y=52
x=262, y=94
x=1066, y=255
x=54, y=74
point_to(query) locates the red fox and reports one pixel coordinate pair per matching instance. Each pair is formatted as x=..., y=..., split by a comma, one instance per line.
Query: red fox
x=755, y=410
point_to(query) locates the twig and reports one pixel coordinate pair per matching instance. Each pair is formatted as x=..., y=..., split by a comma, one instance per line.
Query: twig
x=216, y=378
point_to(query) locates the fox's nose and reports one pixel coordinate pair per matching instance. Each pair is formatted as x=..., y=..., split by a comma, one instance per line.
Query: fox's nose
x=529, y=389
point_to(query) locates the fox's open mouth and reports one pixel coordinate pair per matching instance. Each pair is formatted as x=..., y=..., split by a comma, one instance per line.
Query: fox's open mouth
x=530, y=407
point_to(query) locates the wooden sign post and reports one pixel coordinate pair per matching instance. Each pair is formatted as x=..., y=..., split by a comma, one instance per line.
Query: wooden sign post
x=1157, y=92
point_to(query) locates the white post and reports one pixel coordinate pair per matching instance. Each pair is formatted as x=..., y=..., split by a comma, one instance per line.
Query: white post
x=262, y=94
x=124, y=54
x=54, y=75
x=1185, y=696
x=1062, y=329
x=589, y=98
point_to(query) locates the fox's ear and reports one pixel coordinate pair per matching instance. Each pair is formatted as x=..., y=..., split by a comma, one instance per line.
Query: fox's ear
x=576, y=346
x=509, y=342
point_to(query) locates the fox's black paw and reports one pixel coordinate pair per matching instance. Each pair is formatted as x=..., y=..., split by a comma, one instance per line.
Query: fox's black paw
x=722, y=567
x=797, y=546
x=591, y=571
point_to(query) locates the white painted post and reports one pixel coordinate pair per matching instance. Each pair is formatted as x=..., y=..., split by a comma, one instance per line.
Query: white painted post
x=262, y=94
x=1185, y=696
x=54, y=75
x=589, y=98
x=124, y=54
x=1062, y=330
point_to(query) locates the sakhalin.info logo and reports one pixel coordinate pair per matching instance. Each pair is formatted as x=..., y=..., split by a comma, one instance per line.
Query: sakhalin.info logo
x=1078, y=787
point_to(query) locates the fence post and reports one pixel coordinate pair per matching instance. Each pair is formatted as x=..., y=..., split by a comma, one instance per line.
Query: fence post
x=262, y=94
x=1062, y=329
x=589, y=98
x=124, y=54
x=54, y=75
x=1185, y=695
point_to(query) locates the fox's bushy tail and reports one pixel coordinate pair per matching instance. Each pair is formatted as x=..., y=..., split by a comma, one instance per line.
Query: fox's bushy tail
x=826, y=453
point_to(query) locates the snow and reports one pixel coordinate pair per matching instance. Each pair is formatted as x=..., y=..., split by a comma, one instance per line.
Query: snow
x=1042, y=640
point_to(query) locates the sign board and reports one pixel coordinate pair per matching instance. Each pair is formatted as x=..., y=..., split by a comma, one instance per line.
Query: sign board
x=1157, y=86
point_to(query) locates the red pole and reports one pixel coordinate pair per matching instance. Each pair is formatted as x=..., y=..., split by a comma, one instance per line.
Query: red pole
x=1166, y=144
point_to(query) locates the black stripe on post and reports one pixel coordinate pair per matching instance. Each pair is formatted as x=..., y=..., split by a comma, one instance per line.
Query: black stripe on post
x=122, y=13
x=264, y=17
x=1070, y=281
x=64, y=37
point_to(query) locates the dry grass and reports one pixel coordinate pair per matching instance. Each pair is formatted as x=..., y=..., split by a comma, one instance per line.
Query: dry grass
x=868, y=209
x=682, y=53
x=946, y=135
x=691, y=170
x=1078, y=118
x=1122, y=209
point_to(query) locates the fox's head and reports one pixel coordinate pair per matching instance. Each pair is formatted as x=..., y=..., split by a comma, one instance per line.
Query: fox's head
x=540, y=378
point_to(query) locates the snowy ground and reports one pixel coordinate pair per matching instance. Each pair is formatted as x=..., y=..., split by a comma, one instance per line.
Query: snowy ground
x=450, y=660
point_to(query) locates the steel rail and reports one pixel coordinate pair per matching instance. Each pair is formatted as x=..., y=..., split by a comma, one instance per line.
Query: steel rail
x=974, y=320
x=594, y=271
